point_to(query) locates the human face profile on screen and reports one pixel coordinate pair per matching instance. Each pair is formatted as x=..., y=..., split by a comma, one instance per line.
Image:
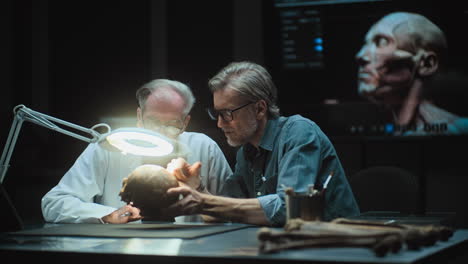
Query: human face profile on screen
x=400, y=55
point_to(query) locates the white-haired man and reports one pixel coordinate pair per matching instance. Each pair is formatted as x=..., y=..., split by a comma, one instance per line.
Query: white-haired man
x=89, y=191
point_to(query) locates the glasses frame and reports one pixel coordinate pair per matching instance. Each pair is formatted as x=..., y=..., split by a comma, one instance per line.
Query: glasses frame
x=158, y=125
x=215, y=114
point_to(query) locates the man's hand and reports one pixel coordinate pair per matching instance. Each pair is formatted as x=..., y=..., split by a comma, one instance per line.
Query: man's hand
x=186, y=173
x=242, y=210
x=123, y=215
x=191, y=203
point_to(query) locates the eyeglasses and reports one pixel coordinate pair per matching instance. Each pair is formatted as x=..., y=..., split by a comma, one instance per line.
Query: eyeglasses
x=226, y=114
x=170, y=128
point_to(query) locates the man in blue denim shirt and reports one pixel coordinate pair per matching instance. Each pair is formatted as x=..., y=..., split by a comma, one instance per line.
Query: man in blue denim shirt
x=274, y=152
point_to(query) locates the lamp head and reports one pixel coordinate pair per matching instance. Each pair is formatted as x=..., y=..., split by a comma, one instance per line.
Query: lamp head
x=137, y=141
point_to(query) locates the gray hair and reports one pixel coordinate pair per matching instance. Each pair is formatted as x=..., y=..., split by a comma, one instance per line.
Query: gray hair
x=182, y=89
x=250, y=80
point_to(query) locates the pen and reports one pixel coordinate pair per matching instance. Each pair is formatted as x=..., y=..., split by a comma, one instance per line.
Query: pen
x=328, y=180
x=126, y=214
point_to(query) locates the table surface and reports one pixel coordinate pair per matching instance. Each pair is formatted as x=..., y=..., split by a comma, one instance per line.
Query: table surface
x=228, y=247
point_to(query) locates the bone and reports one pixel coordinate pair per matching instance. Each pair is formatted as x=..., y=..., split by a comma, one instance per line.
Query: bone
x=377, y=236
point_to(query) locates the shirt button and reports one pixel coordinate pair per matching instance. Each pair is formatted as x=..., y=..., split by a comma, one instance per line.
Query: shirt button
x=263, y=178
x=259, y=193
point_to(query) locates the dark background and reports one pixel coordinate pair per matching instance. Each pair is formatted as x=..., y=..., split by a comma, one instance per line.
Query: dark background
x=82, y=61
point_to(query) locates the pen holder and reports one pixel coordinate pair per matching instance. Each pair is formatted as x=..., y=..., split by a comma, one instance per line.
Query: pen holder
x=306, y=206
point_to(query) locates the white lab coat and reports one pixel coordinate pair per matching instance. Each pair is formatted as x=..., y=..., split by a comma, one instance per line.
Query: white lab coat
x=90, y=189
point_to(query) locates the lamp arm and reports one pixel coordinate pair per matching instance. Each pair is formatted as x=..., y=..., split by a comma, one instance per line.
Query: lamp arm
x=9, y=146
x=50, y=123
x=22, y=113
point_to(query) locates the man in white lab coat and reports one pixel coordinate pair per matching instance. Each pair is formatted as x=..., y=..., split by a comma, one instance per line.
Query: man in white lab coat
x=89, y=190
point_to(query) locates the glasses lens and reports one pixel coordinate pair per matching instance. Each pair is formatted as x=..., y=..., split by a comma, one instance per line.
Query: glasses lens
x=170, y=129
x=226, y=115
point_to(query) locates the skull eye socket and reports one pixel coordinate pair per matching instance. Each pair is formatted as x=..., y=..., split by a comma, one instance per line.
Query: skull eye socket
x=381, y=41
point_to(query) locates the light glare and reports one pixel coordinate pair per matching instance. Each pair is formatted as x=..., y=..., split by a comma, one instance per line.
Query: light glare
x=154, y=146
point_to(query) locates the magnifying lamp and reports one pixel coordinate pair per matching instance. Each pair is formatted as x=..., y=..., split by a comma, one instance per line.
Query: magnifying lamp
x=135, y=141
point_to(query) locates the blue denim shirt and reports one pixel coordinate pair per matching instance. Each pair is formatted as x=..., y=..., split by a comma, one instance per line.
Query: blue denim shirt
x=293, y=152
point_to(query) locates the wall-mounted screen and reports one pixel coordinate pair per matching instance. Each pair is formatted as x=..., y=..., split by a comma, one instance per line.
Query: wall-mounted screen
x=392, y=68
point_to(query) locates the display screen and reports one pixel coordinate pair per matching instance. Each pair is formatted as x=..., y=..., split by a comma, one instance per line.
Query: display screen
x=333, y=66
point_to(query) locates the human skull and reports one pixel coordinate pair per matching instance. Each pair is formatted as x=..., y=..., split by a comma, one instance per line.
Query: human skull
x=146, y=187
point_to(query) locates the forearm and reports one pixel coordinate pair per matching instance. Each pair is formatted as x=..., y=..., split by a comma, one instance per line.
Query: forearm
x=66, y=209
x=234, y=209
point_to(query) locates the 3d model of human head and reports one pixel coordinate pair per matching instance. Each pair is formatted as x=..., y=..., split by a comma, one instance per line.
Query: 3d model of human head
x=400, y=52
x=398, y=49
